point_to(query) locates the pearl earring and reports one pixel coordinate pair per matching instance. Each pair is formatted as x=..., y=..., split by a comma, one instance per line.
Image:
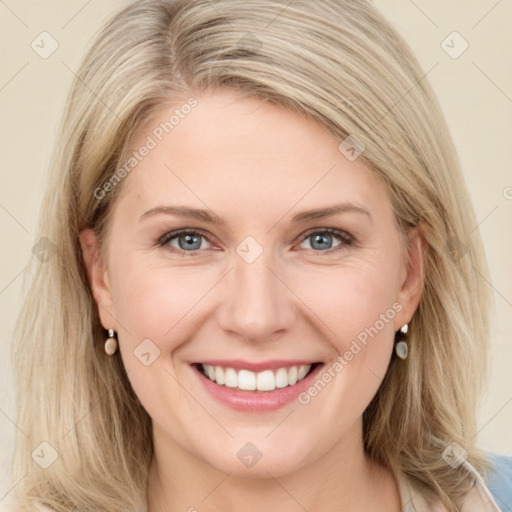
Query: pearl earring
x=111, y=342
x=401, y=348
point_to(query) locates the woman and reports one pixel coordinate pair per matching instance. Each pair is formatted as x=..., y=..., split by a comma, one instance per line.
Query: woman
x=191, y=345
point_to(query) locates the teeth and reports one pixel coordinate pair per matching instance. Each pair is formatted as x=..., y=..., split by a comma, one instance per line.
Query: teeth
x=219, y=375
x=292, y=375
x=267, y=380
x=230, y=378
x=281, y=378
x=303, y=370
x=246, y=380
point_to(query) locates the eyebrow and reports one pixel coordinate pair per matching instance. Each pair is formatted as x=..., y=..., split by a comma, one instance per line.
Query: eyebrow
x=330, y=210
x=212, y=218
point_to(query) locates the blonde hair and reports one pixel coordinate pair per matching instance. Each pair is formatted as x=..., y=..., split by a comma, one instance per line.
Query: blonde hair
x=337, y=62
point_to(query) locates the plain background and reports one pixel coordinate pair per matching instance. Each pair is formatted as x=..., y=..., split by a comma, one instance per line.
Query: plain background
x=475, y=91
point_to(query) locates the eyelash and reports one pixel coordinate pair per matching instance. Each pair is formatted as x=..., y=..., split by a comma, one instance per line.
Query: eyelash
x=346, y=239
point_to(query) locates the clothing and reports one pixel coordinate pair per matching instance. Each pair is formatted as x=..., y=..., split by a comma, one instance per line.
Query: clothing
x=494, y=495
x=500, y=481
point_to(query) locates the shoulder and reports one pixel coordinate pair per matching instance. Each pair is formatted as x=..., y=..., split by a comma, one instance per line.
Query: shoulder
x=499, y=480
x=494, y=494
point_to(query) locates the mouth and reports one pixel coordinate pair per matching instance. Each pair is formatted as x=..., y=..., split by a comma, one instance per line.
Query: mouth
x=244, y=379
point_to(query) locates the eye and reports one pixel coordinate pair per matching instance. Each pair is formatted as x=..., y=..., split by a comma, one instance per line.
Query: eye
x=322, y=240
x=191, y=240
x=184, y=240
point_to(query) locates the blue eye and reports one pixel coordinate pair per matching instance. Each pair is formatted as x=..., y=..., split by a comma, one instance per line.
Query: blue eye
x=188, y=241
x=191, y=241
x=321, y=240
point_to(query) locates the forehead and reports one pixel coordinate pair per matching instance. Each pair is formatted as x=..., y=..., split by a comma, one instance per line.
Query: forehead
x=243, y=152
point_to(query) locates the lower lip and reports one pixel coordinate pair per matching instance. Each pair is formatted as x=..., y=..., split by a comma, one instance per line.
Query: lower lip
x=256, y=401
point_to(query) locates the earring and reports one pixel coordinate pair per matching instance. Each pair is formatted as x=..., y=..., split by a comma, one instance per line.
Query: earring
x=111, y=343
x=401, y=348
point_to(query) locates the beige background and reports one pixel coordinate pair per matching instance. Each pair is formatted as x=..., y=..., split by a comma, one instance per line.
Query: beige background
x=475, y=91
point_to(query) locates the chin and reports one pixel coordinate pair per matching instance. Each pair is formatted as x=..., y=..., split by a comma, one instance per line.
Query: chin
x=265, y=463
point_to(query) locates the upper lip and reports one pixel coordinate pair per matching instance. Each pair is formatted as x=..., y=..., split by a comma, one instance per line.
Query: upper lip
x=240, y=364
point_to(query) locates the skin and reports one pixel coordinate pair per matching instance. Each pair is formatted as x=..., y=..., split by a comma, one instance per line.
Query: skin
x=256, y=165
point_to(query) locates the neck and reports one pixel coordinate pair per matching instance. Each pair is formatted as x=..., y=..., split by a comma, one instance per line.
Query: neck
x=344, y=476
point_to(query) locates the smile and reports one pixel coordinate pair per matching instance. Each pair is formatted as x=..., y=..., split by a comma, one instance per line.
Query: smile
x=256, y=387
x=247, y=380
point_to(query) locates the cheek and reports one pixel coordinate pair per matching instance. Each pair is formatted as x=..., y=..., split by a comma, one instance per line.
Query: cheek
x=157, y=306
x=157, y=302
x=354, y=310
x=354, y=303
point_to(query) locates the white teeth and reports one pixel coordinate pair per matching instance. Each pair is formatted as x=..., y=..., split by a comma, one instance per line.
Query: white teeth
x=219, y=375
x=302, y=372
x=267, y=380
x=281, y=378
x=230, y=378
x=292, y=375
x=246, y=380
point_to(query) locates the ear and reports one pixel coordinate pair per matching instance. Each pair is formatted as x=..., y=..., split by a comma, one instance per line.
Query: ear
x=98, y=278
x=412, y=276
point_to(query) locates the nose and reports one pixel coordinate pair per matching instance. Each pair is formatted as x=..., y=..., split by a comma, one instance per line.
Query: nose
x=257, y=303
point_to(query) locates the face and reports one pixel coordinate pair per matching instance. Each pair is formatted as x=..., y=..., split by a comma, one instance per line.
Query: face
x=295, y=261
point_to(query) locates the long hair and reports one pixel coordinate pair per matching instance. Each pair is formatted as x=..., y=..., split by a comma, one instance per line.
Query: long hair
x=338, y=62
